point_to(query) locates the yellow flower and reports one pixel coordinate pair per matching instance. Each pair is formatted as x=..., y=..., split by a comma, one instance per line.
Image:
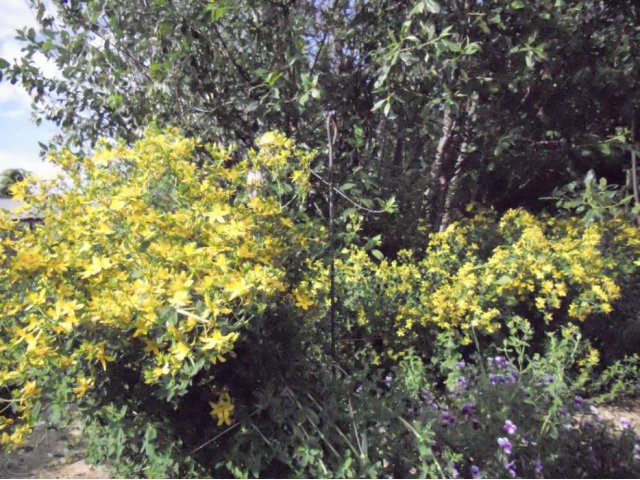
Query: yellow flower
x=302, y=300
x=218, y=341
x=223, y=409
x=179, y=289
x=30, y=389
x=97, y=265
x=268, y=139
x=84, y=384
x=237, y=287
x=180, y=351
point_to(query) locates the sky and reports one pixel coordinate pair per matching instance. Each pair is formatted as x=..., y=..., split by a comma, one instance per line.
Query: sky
x=19, y=135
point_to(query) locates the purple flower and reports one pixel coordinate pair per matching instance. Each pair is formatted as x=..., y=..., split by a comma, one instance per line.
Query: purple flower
x=497, y=379
x=435, y=448
x=454, y=471
x=460, y=365
x=447, y=418
x=498, y=362
x=428, y=397
x=475, y=471
x=625, y=423
x=537, y=466
x=510, y=428
x=563, y=411
x=462, y=382
x=467, y=409
x=475, y=424
x=548, y=378
x=636, y=451
x=511, y=466
x=579, y=401
x=513, y=377
x=505, y=444
x=387, y=381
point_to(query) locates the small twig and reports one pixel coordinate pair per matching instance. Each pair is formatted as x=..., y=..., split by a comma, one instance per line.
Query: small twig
x=224, y=432
x=332, y=135
x=211, y=440
x=344, y=195
x=266, y=440
x=634, y=167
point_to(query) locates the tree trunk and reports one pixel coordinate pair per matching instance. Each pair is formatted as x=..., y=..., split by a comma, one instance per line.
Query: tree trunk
x=442, y=168
x=452, y=197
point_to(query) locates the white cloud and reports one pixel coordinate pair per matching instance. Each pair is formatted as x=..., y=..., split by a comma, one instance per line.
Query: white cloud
x=14, y=100
x=13, y=96
x=10, y=48
x=36, y=166
x=16, y=148
x=15, y=14
x=18, y=112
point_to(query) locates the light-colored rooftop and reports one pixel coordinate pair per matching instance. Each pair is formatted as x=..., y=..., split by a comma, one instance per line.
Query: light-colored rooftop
x=10, y=205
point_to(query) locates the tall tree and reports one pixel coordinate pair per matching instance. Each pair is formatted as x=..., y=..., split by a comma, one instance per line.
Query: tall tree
x=438, y=103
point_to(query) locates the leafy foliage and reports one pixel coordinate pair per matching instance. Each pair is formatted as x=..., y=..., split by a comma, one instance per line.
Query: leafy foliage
x=479, y=274
x=8, y=178
x=595, y=200
x=146, y=270
x=180, y=293
x=437, y=101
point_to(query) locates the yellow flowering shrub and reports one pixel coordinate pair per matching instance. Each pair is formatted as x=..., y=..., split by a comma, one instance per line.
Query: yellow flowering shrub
x=478, y=274
x=148, y=263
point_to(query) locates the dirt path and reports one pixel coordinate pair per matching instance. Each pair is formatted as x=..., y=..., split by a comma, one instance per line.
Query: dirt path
x=629, y=410
x=51, y=453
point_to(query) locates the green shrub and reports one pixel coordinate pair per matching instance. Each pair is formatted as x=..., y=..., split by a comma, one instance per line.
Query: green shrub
x=183, y=311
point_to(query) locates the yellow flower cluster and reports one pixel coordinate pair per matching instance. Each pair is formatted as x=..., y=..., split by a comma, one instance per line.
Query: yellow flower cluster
x=476, y=275
x=223, y=409
x=146, y=258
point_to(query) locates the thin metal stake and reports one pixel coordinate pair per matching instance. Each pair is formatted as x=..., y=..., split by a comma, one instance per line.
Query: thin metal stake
x=332, y=134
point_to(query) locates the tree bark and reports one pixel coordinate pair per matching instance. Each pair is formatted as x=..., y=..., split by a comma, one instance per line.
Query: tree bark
x=452, y=196
x=442, y=168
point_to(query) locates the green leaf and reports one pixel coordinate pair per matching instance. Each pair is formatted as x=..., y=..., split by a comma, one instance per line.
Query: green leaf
x=217, y=9
x=387, y=108
x=378, y=104
x=272, y=78
x=453, y=46
x=432, y=6
x=472, y=48
x=528, y=58
x=605, y=148
x=4, y=63
x=378, y=254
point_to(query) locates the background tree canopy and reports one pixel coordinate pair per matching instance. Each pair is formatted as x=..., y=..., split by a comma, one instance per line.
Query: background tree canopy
x=439, y=103
x=8, y=178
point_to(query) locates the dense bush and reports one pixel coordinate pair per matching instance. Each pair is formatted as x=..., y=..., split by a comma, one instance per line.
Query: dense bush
x=147, y=266
x=481, y=273
x=183, y=311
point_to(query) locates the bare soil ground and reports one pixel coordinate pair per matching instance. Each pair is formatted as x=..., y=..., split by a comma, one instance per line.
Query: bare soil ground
x=629, y=409
x=51, y=453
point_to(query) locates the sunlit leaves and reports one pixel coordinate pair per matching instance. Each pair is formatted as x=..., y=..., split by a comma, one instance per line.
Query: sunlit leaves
x=142, y=257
